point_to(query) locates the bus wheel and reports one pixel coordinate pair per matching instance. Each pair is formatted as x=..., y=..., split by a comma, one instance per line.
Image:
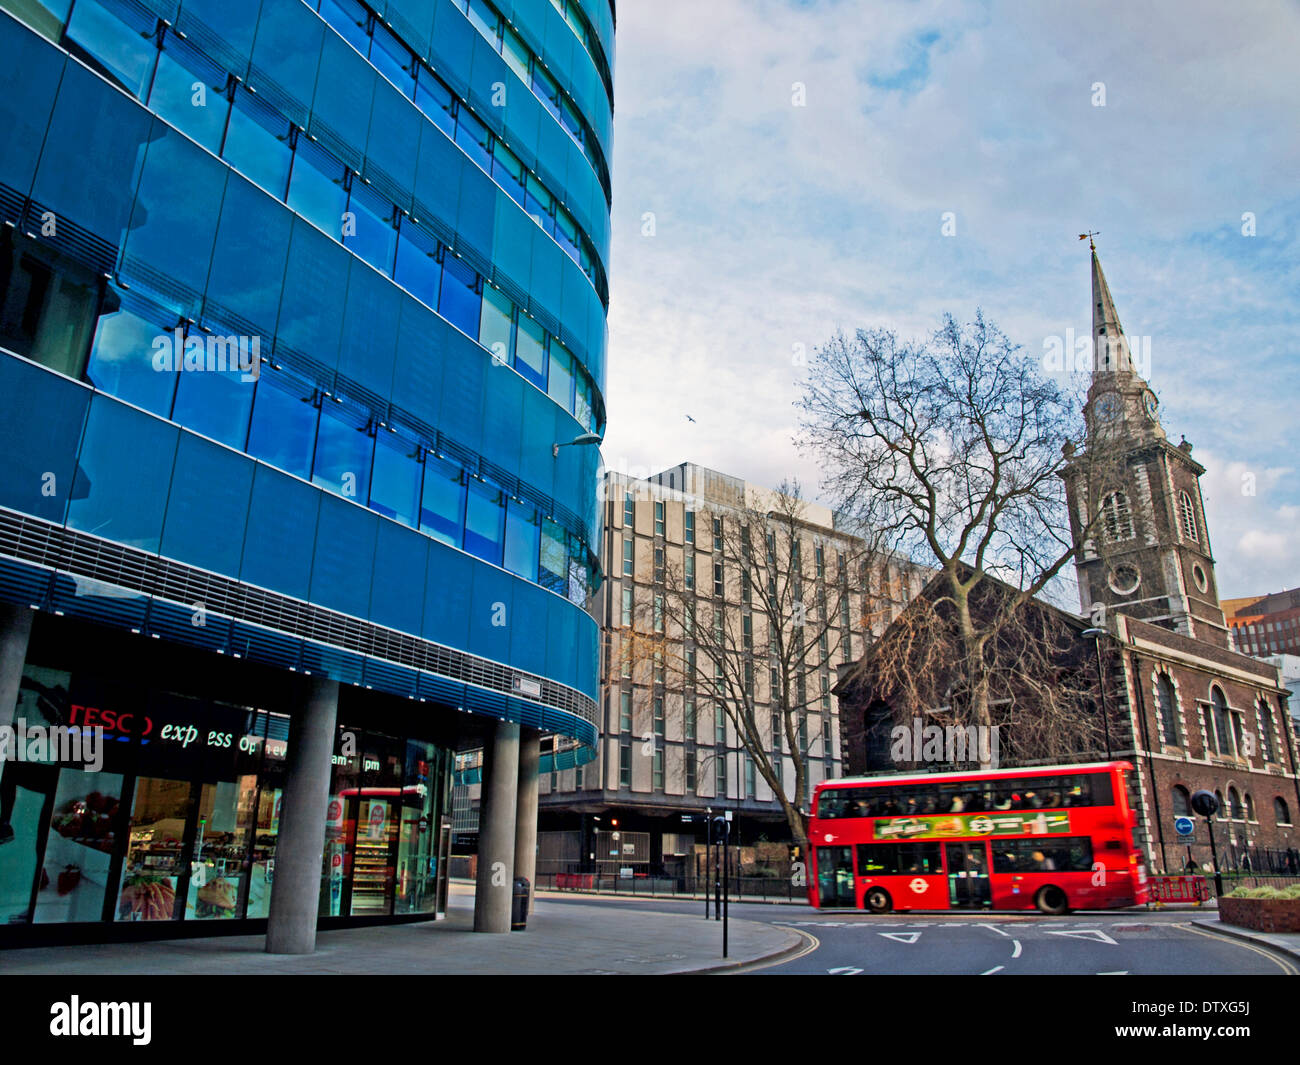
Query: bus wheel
x=878, y=900
x=1052, y=900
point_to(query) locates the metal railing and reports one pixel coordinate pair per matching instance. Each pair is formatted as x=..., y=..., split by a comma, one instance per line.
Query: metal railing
x=759, y=889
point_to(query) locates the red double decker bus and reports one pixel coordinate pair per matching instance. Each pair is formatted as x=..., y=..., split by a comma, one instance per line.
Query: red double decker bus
x=1052, y=837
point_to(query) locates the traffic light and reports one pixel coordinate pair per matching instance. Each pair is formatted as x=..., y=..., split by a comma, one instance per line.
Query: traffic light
x=720, y=828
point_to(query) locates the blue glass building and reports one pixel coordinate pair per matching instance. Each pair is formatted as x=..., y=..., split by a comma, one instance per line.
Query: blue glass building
x=296, y=299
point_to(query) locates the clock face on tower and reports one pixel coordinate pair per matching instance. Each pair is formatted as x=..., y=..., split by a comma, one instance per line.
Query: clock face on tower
x=1149, y=404
x=1108, y=408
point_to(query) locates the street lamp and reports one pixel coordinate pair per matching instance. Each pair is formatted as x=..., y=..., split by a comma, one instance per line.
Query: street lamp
x=585, y=440
x=1095, y=635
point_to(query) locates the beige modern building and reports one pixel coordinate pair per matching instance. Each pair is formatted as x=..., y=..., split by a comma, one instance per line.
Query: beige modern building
x=716, y=591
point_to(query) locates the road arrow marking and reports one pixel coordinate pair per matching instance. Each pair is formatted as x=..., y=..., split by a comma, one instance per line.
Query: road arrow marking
x=1016, y=953
x=992, y=926
x=844, y=970
x=901, y=937
x=1086, y=933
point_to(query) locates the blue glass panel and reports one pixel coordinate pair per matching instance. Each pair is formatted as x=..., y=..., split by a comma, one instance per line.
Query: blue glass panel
x=491, y=613
x=172, y=230
x=311, y=312
x=369, y=330
x=199, y=112
x=345, y=554
x=120, y=40
x=248, y=263
x=464, y=365
x=344, y=90
x=436, y=101
x=316, y=188
x=418, y=269
x=41, y=415
x=287, y=51
x=473, y=136
x=397, y=586
x=122, y=358
x=207, y=506
x=215, y=404
x=344, y=449
x=459, y=300
x=540, y=426
x=281, y=533
x=496, y=327
x=417, y=369
x=126, y=469
x=395, y=481
x=437, y=176
x=395, y=131
x=502, y=410
x=528, y=620
x=530, y=354
x=92, y=121
x=257, y=144
x=554, y=556
x=442, y=509
x=559, y=380
x=447, y=596
x=393, y=60
x=349, y=18
x=29, y=78
x=283, y=431
x=233, y=20
x=370, y=232
x=484, y=518
x=523, y=540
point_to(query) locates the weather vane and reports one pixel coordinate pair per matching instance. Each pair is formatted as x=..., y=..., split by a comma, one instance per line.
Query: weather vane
x=1088, y=237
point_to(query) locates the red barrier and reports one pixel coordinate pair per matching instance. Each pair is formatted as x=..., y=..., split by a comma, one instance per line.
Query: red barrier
x=1179, y=889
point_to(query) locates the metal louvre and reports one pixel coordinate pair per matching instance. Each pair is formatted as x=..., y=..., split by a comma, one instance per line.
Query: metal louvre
x=169, y=592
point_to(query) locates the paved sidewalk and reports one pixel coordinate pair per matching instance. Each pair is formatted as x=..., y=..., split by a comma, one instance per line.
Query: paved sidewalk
x=562, y=939
x=1287, y=943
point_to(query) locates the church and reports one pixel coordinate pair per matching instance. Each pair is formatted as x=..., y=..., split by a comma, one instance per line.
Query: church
x=1181, y=705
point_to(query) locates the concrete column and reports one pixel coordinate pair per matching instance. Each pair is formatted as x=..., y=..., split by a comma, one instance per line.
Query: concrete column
x=15, y=631
x=300, y=849
x=496, y=830
x=530, y=755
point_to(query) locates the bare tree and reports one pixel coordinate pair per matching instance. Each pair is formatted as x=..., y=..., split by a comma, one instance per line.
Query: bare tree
x=756, y=637
x=952, y=453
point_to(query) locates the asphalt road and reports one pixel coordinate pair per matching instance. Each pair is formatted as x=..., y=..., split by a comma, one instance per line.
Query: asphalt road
x=1137, y=942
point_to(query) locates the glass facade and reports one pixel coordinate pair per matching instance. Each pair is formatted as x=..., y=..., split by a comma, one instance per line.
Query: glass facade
x=296, y=299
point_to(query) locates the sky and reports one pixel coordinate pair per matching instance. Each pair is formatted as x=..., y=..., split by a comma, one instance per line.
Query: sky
x=786, y=170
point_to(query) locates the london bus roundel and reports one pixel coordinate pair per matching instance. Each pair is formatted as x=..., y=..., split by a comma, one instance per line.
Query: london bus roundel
x=1009, y=839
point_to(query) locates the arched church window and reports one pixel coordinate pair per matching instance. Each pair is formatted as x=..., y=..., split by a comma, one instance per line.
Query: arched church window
x=1117, y=517
x=1168, y=702
x=1189, y=517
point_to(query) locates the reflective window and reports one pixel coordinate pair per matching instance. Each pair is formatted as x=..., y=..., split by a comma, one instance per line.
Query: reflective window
x=484, y=18
x=418, y=270
x=118, y=38
x=283, y=431
x=530, y=351
x=522, y=540
x=257, y=144
x=393, y=60
x=495, y=327
x=349, y=18
x=442, y=506
x=395, y=480
x=474, y=137
x=316, y=188
x=189, y=92
x=437, y=103
x=553, y=557
x=344, y=449
x=248, y=261
x=508, y=172
x=483, y=520
x=216, y=404
x=559, y=384
x=459, y=300
x=370, y=232
x=122, y=360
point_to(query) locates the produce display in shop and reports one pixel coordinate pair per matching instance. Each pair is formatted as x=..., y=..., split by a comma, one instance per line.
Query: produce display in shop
x=147, y=898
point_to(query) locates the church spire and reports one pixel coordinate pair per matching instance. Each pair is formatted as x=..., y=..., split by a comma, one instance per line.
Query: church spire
x=1110, y=346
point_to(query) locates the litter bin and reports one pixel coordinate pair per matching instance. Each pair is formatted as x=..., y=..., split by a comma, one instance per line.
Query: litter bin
x=519, y=909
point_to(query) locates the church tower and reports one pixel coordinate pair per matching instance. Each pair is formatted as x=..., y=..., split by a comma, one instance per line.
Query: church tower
x=1148, y=553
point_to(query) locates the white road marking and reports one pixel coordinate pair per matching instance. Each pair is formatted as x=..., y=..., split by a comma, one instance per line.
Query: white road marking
x=844, y=970
x=1016, y=953
x=992, y=971
x=901, y=937
x=1118, y=972
x=1087, y=933
x=992, y=926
